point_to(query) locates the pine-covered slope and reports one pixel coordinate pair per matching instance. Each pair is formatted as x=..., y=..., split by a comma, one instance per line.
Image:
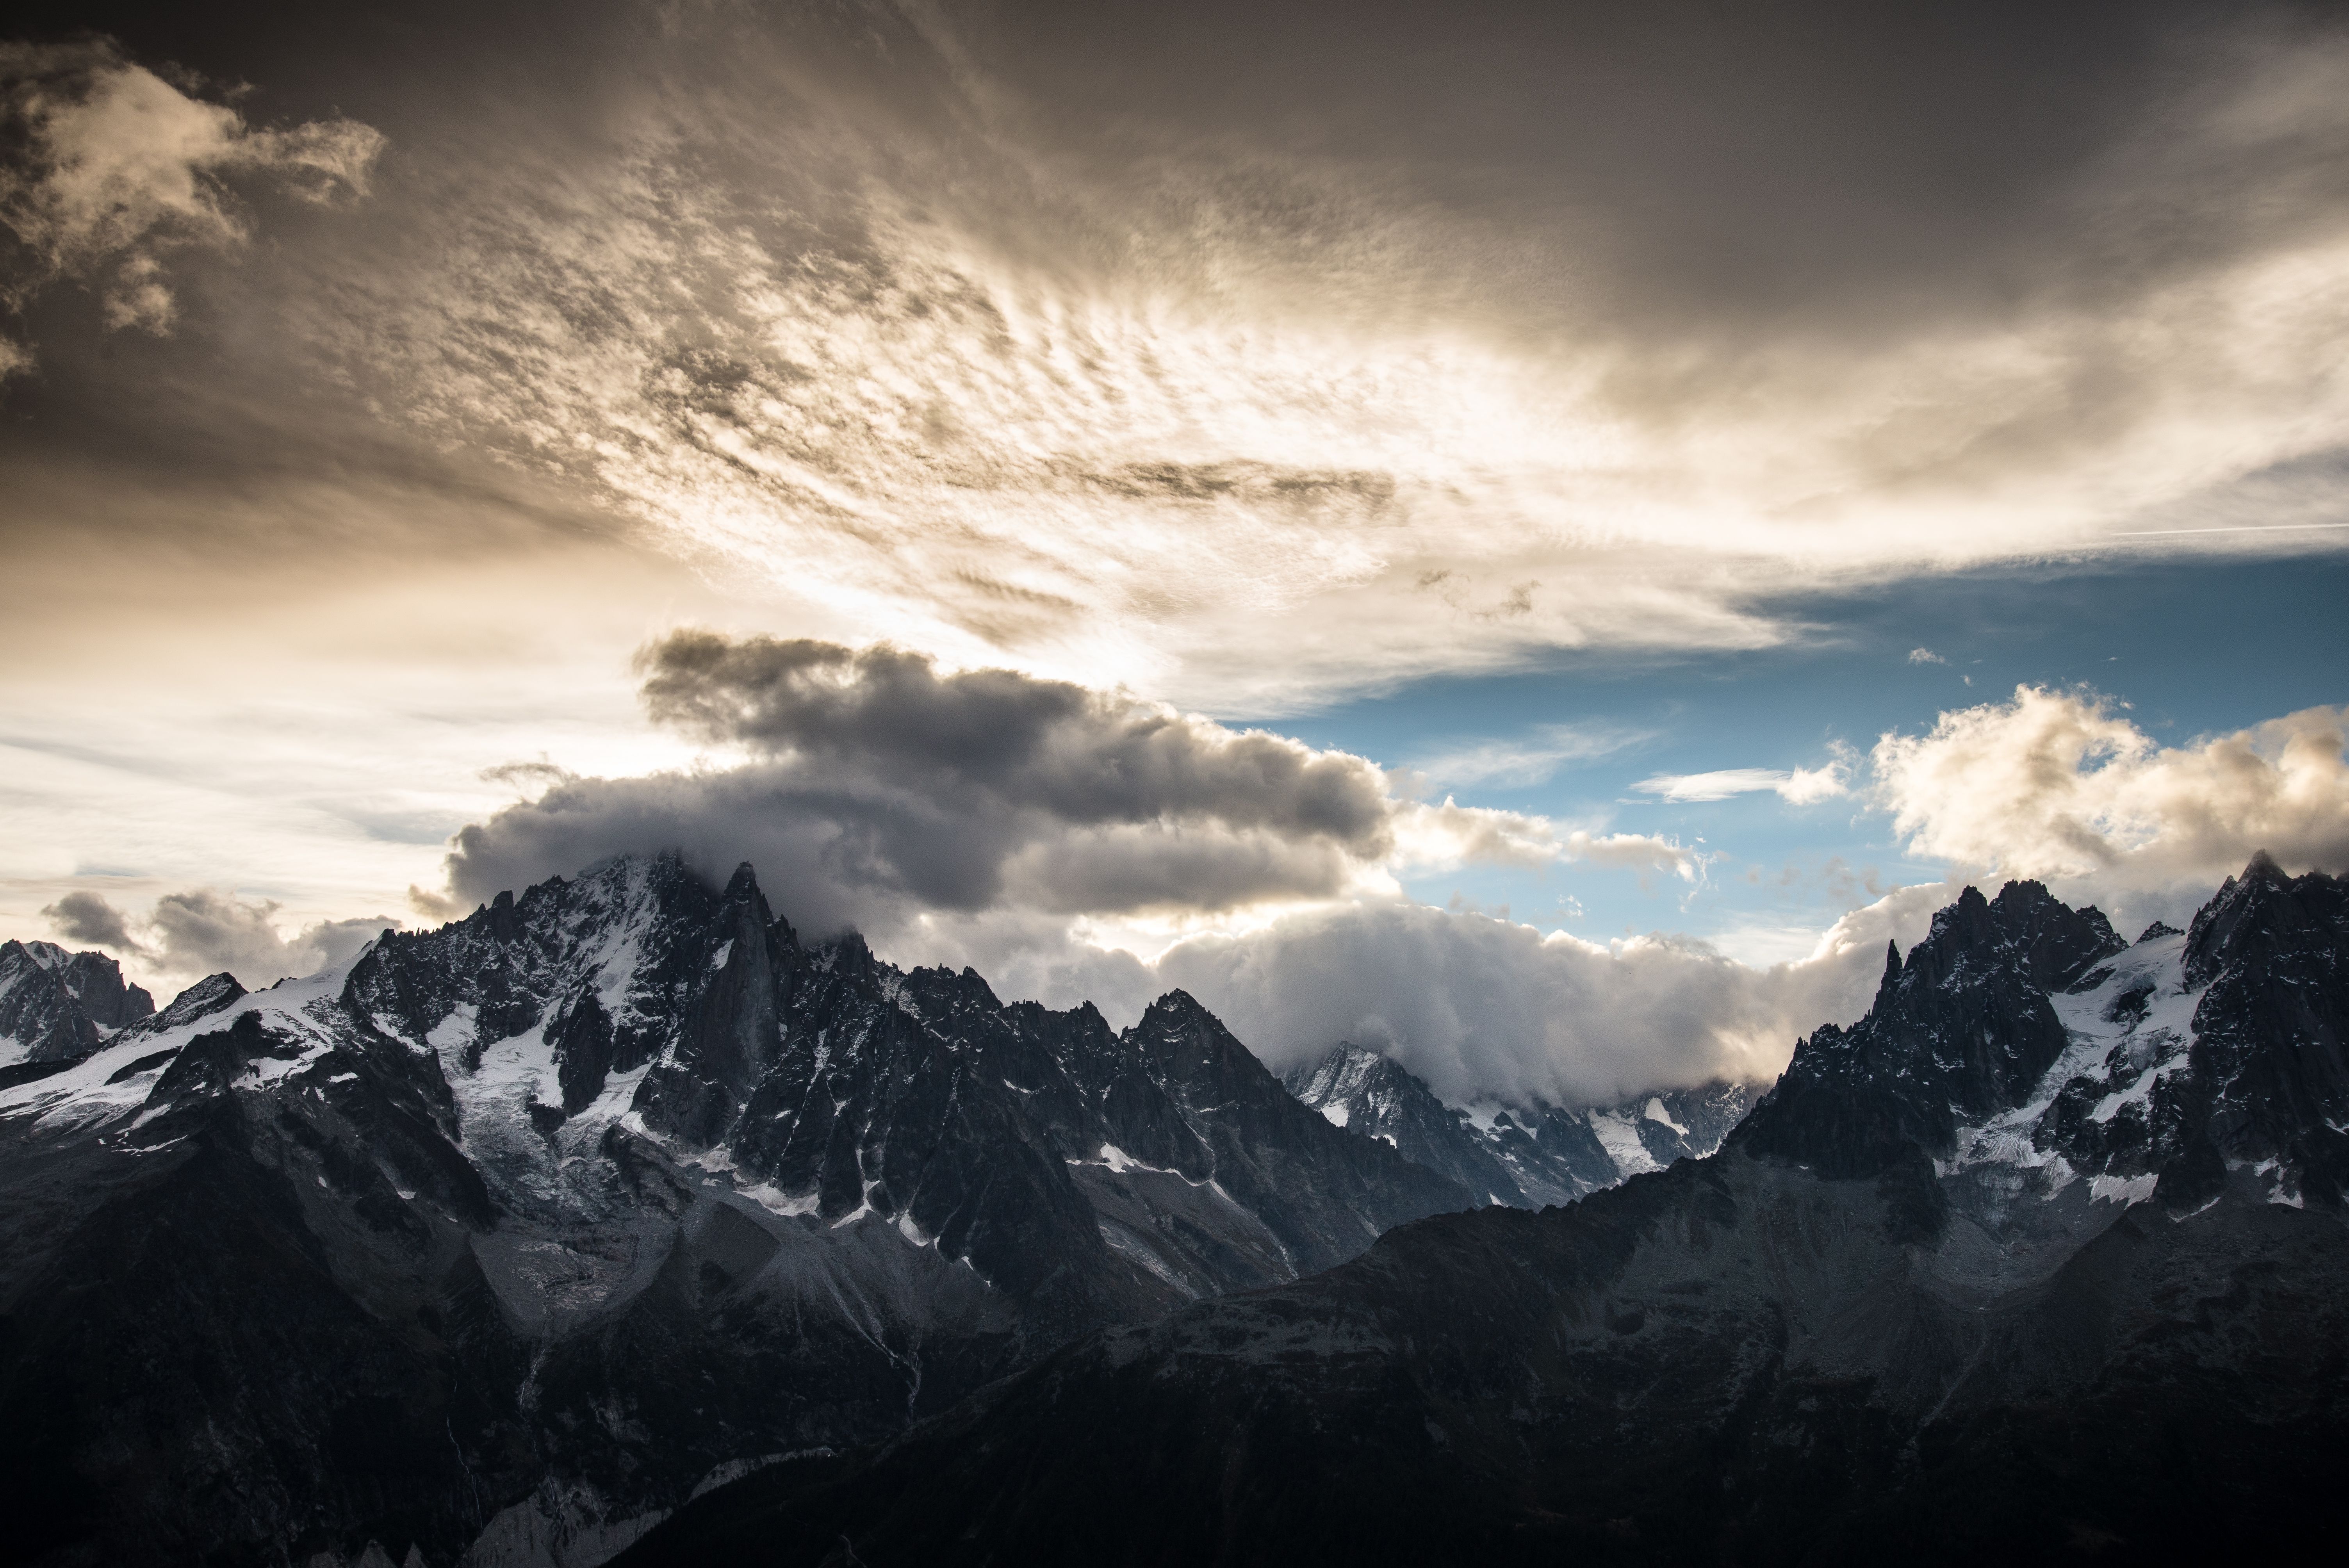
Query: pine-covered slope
x=2046, y=1258
x=1526, y=1158
x=499, y=1240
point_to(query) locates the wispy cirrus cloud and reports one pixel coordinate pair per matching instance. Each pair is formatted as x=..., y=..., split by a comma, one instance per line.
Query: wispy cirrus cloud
x=1153, y=404
x=1531, y=758
x=1796, y=787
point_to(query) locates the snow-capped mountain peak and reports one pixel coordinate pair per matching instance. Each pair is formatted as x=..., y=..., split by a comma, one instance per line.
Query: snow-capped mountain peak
x=1522, y=1156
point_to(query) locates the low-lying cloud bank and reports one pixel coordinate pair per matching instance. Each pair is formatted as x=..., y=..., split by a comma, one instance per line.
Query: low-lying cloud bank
x=1489, y=1010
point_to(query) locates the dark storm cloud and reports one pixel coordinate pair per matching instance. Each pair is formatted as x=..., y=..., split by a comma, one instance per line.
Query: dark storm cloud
x=87, y=917
x=885, y=786
x=1741, y=161
x=1000, y=740
x=846, y=849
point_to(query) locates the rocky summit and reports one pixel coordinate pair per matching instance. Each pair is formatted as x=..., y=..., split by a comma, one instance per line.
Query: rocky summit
x=56, y=1005
x=2045, y=1259
x=496, y=1243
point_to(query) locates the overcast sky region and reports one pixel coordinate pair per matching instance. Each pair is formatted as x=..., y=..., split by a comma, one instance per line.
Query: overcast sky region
x=1538, y=537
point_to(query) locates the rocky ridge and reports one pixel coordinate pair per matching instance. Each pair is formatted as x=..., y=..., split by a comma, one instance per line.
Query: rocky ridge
x=2047, y=1256
x=496, y=1243
x=56, y=1005
x=1526, y=1157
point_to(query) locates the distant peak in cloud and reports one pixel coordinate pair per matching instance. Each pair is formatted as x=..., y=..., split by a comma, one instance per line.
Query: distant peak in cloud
x=1798, y=787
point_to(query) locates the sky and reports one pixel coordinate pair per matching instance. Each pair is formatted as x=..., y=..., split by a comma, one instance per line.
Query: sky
x=1535, y=537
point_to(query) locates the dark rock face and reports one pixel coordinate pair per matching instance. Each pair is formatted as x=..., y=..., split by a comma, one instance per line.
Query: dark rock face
x=2269, y=1068
x=56, y=1005
x=1889, y=1320
x=498, y=1242
x=1526, y=1158
x=1964, y=1029
x=1366, y=1093
x=214, y=994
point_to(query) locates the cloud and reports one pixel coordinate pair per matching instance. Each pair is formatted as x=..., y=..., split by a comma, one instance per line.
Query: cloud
x=1925, y=657
x=1002, y=741
x=84, y=917
x=879, y=321
x=1530, y=759
x=203, y=931
x=879, y=786
x=2060, y=786
x=116, y=166
x=1487, y=1010
x=1007, y=378
x=1801, y=787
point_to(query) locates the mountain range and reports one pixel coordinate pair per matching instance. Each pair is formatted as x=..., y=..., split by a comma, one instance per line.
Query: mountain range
x=498, y=1240
x=1526, y=1157
x=2043, y=1260
x=620, y=1220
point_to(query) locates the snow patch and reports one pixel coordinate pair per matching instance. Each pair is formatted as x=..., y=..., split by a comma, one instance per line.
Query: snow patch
x=1621, y=1141
x=455, y=1032
x=735, y=1469
x=2122, y=1190
x=775, y=1201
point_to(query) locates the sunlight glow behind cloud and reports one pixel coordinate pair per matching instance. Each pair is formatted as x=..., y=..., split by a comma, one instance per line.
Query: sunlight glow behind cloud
x=1150, y=432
